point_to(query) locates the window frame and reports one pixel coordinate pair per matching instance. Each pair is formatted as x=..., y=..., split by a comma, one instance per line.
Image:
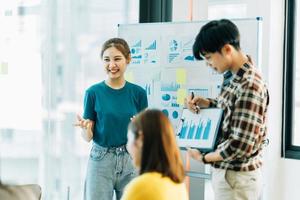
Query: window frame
x=288, y=149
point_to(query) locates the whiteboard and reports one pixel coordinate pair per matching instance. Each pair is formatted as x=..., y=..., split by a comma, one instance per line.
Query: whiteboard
x=163, y=62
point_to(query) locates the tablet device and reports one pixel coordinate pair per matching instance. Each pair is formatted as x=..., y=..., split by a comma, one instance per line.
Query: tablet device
x=199, y=130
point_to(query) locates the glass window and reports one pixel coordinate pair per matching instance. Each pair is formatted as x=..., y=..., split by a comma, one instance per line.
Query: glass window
x=49, y=55
x=21, y=93
x=291, y=92
x=296, y=122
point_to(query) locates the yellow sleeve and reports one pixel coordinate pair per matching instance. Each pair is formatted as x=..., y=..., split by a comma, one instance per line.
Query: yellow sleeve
x=130, y=193
x=139, y=189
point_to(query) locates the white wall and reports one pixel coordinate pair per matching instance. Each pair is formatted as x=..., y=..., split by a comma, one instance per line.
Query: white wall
x=282, y=176
x=273, y=171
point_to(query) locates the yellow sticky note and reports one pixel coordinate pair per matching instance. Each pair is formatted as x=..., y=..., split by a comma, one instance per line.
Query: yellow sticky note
x=181, y=95
x=129, y=77
x=4, y=68
x=181, y=76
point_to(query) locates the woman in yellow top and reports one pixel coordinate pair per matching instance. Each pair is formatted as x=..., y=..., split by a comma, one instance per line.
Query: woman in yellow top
x=152, y=145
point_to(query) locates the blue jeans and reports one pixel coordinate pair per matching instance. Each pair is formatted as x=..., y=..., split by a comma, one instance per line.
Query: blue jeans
x=109, y=170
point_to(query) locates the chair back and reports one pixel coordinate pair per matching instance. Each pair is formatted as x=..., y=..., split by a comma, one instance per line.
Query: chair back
x=20, y=192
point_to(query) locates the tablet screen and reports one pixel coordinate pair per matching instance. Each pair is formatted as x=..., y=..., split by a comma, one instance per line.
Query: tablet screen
x=199, y=130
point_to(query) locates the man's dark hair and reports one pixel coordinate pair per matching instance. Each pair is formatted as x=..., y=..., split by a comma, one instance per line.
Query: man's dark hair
x=214, y=35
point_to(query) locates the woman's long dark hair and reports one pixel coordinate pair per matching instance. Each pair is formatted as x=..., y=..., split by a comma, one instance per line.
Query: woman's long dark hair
x=159, y=152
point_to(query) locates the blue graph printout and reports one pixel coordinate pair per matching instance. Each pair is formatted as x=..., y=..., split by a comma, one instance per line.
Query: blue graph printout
x=199, y=130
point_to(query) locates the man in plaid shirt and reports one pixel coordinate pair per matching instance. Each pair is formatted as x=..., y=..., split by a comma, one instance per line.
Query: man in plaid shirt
x=244, y=99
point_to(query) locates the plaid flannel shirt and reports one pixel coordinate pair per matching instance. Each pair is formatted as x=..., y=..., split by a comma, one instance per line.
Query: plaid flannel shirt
x=244, y=99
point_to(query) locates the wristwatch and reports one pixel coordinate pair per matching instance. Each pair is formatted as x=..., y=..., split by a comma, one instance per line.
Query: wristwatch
x=203, y=158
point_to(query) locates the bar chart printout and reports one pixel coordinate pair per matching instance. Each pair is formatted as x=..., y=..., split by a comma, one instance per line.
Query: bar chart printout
x=199, y=130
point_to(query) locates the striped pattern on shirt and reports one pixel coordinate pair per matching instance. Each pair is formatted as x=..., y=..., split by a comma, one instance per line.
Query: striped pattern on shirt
x=244, y=98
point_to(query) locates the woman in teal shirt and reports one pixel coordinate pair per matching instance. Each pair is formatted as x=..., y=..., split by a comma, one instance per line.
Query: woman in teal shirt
x=108, y=108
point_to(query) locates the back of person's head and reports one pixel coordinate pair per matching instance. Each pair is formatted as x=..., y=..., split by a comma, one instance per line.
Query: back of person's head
x=119, y=44
x=159, y=151
x=214, y=35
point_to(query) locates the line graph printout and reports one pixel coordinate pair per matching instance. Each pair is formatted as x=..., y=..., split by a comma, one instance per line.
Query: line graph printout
x=199, y=130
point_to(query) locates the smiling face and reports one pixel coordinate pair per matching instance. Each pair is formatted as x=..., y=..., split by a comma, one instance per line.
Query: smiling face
x=115, y=63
